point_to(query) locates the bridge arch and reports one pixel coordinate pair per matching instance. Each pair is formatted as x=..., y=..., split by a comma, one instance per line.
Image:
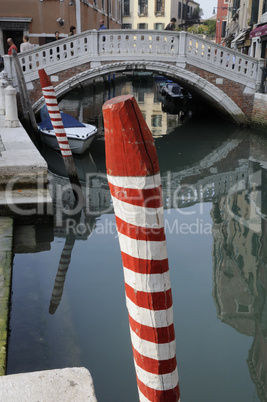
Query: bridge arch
x=221, y=101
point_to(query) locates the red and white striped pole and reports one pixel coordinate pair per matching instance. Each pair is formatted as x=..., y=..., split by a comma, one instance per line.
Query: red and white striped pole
x=135, y=185
x=61, y=274
x=63, y=142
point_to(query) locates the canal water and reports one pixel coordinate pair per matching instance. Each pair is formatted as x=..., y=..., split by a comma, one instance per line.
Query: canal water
x=68, y=300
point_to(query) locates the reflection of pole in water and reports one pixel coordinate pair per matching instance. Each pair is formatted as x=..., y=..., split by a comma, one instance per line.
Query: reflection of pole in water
x=61, y=274
x=63, y=142
x=134, y=180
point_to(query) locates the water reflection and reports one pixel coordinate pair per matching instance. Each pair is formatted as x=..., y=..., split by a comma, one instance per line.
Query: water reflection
x=88, y=107
x=199, y=163
x=70, y=223
x=237, y=189
x=222, y=174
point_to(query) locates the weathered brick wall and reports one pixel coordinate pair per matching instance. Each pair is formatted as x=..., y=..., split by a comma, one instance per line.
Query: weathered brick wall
x=232, y=89
x=36, y=93
x=259, y=112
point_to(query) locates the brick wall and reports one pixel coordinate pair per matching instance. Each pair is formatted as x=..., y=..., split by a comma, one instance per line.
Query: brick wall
x=234, y=90
x=259, y=112
x=36, y=93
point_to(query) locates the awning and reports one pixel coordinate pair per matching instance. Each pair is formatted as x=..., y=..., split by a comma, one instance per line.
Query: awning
x=259, y=31
x=240, y=37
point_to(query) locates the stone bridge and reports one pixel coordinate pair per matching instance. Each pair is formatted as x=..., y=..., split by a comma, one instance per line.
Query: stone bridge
x=223, y=77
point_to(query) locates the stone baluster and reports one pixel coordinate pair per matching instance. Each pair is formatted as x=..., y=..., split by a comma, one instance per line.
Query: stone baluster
x=181, y=50
x=11, y=118
x=3, y=85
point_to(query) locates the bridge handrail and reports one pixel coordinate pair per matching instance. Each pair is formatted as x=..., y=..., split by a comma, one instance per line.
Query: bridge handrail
x=221, y=56
x=145, y=45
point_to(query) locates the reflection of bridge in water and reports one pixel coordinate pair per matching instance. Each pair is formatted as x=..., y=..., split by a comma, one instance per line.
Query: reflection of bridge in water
x=216, y=175
x=208, y=189
x=208, y=180
x=236, y=188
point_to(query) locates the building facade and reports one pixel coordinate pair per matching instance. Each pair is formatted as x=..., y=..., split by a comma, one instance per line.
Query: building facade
x=39, y=19
x=224, y=13
x=241, y=26
x=186, y=12
x=156, y=14
x=146, y=14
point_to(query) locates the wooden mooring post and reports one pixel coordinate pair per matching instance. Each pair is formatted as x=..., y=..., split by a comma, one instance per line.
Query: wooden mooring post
x=135, y=185
x=63, y=142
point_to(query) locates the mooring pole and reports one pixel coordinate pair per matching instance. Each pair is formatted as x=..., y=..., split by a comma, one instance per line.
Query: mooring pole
x=135, y=185
x=63, y=142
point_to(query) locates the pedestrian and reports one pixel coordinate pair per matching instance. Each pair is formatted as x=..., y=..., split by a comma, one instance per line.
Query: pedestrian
x=26, y=45
x=72, y=29
x=56, y=36
x=102, y=25
x=1, y=63
x=11, y=46
x=171, y=25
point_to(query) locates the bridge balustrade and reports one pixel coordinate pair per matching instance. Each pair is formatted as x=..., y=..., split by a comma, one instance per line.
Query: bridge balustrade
x=138, y=46
x=57, y=53
x=209, y=189
x=222, y=57
x=139, y=42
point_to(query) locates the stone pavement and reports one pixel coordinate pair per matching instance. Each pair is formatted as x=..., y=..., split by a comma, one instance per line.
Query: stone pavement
x=63, y=385
x=23, y=179
x=23, y=171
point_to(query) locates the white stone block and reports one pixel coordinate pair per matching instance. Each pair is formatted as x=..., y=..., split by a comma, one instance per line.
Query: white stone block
x=219, y=81
x=60, y=385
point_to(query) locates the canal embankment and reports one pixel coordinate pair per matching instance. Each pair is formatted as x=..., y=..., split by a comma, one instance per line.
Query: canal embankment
x=23, y=182
x=24, y=197
x=6, y=242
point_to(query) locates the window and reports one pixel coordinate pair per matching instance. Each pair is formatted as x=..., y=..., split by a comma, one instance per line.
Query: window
x=159, y=26
x=126, y=7
x=156, y=120
x=142, y=26
x=158, y=7
x=126, y=26
x=242, y=308
x=223, y=28
x=179, y=10
x=142, y=7
x=103, y=5
x=185, y=12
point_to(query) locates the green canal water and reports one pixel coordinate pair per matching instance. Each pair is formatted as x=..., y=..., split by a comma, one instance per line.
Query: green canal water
x=214, y=183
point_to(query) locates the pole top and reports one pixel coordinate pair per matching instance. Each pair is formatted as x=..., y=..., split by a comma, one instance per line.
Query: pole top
x=130, y=147
x=44, y=79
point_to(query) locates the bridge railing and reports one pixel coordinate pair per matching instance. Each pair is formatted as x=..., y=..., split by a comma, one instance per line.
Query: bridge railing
x=137, y=45
x=139, y=42
x=221, y=57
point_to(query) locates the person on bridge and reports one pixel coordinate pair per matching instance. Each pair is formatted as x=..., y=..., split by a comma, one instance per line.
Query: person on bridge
x=102, y=25
x=72, y=30
x=56, y=36
x=171, y=25
x=11, y=46
x=26, y=45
